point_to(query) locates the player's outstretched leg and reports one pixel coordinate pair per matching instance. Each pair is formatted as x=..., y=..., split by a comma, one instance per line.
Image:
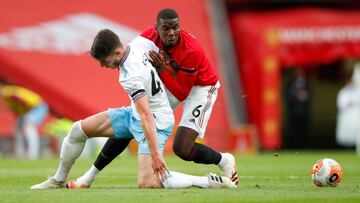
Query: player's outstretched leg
x=112, y=148
x=71, y=149
x=175, y=180
x=185, y=147
x=180, y=180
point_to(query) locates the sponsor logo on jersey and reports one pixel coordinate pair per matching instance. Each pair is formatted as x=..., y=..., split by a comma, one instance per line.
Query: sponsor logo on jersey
x=192, y=120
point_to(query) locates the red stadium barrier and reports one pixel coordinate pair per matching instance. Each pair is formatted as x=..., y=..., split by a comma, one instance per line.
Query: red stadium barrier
x=43, y=45
x=268, y=41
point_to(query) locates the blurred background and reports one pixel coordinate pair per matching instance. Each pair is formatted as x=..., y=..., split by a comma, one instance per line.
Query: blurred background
x=289, y=70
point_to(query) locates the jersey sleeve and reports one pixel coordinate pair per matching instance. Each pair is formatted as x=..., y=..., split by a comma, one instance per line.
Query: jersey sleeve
x=133, y=81
x=181, y=86
x=147, y=33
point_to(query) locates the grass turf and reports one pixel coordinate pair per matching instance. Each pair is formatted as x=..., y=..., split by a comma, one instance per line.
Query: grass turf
x=282, y=176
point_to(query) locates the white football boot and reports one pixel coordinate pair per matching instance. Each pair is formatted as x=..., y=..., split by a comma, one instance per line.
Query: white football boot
x=74, y=184
x=228, y=167
x=50, y=183
x=220, y=181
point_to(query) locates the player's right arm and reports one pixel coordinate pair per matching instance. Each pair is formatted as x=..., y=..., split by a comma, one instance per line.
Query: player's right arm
x=149, y=128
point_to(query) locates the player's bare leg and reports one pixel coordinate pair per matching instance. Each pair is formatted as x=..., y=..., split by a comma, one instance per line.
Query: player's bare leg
x=146, y=176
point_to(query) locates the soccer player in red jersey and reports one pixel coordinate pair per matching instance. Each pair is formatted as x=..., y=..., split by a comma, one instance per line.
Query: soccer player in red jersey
x=189, y=77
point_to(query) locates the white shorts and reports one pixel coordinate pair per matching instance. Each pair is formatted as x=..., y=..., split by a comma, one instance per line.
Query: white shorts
x=198, y=106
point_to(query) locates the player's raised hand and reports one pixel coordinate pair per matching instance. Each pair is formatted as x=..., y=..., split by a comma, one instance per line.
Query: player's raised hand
x=157, y=61
x=166, y=57
x=161, y=61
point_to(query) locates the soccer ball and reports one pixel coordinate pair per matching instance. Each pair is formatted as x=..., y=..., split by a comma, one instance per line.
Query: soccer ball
x=326, y=172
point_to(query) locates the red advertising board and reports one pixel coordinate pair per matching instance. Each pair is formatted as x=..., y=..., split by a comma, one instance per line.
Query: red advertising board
x=43, y=47
x=269, y=41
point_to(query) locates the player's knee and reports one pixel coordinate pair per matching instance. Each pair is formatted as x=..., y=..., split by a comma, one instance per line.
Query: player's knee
x=183, y=145
x=144, y=182
x=76, y=134
x=181, y=152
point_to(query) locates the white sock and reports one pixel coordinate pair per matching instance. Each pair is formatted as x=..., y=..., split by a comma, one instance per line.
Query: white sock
x=181, y=180
x=222, y=160
x=89, y=176
x=71, y=149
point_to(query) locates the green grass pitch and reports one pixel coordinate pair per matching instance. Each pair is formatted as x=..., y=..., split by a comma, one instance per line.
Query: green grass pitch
x=264, y=177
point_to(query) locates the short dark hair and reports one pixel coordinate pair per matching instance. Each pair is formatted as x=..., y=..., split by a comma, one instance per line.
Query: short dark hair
x=167, y=13
x=105, y=43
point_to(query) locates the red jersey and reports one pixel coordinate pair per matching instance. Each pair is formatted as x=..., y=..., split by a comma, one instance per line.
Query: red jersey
x=194, y=68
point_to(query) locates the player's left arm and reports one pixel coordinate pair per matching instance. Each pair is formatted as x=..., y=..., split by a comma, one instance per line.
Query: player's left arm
x=149, y=128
